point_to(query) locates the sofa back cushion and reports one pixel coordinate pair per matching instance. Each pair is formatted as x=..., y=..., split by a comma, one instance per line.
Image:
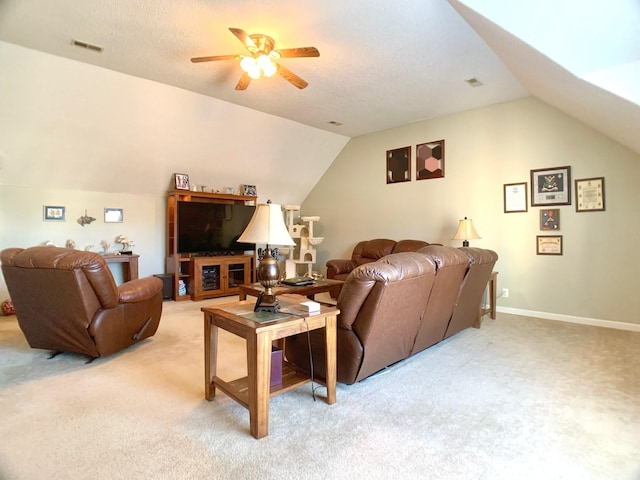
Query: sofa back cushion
x=409, y=246
x=372, y=250
x=381, y=306
x=468, y=303
x=451, y=267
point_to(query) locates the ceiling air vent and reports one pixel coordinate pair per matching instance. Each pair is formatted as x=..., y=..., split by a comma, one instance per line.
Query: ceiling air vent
x=334, y=123
x=474, y=82
x=86, y=45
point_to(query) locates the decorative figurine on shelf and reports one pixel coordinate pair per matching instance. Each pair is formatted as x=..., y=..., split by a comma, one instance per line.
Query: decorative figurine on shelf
x=126, y=244
x=70, y=244
x=49, y=243
x=85, y=219
x=88, y=248
x=105, y=247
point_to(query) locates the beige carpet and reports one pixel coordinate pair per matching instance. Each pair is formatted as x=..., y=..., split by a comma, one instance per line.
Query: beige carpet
x=520, y=398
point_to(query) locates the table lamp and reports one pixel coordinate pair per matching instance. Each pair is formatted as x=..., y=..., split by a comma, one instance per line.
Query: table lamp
x=466, y=232
x=267, y=226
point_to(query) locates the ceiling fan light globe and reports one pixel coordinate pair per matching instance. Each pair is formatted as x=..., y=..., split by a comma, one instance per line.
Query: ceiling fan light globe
x=269, y=69
x=247, y=64
x=255, y=72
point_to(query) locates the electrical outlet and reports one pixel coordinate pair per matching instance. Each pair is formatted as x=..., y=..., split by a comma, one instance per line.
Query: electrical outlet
x=505, y=293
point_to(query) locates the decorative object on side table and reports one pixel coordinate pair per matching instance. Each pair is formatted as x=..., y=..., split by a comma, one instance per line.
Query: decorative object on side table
x=430, y=160
x=551, y=186
x=126, y=244
x=250, y=190
x=466, y=231
x=590, y=194
x=267, y=227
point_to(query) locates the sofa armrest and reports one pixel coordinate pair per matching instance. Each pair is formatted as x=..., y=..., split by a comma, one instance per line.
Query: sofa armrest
x=139, y=290
x=339, y=266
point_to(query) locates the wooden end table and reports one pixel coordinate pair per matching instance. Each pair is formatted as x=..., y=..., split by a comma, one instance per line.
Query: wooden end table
x=260, y=330
x=492, y=285
x=309, y=291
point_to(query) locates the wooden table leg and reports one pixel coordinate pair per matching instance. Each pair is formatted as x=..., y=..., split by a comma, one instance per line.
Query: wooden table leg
x=242, y=295
x=210, y=357
x=133, y=268
x=330, y=344
x=493, y=288
x=259, y=374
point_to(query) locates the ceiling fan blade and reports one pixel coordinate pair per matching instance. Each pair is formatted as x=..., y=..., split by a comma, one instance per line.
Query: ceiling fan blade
x=244, y=38
x=244, y=81
x=292, y=77
x=299, y=52
x=213, y=58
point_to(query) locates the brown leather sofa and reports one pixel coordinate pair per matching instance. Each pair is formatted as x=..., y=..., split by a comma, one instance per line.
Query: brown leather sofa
x=368, y=251
x=67, y=301
x=398, y=306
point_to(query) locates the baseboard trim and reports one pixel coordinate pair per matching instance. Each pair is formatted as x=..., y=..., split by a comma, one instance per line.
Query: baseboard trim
x=595, y=322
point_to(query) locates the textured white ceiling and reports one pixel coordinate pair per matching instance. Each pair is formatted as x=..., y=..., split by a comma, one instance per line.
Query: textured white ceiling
x=382, y=63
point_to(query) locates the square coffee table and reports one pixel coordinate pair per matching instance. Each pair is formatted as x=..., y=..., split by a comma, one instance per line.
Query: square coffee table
x=309, y=291
x=260, y=329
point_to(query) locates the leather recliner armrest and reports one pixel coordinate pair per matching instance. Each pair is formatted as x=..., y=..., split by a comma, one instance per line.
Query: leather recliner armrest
x=338, y=266
x=139, y=290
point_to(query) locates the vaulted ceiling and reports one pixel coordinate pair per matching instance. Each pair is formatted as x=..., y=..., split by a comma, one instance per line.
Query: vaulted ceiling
x=382, y=64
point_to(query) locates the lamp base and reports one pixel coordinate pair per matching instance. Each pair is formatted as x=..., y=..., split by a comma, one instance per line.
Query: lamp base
x=465, y=243
x=266, y=303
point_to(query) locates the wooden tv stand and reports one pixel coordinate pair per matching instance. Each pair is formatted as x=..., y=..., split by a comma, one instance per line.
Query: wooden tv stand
x=232, y=270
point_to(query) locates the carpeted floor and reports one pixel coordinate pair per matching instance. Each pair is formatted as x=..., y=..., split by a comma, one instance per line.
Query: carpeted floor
x=520, y=398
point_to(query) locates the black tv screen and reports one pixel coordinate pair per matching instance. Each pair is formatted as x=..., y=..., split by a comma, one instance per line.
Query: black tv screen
x=212, y=228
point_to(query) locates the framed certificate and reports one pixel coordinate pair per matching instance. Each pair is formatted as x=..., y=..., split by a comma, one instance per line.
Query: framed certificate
x=515, y=197
x=590, y=194
x=549, y=244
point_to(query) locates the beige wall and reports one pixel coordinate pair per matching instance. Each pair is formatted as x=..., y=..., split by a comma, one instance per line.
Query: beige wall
x=593, y=280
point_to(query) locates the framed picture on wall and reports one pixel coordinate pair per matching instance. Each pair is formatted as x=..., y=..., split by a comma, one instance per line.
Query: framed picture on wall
x=590, y=194
x=113, y=215
x=430, y=160
x=182, y=181
x=53, y=213
x=549, y=244
x=550, y=219
x=399, y=165
x=551, y=186
x=515, y=197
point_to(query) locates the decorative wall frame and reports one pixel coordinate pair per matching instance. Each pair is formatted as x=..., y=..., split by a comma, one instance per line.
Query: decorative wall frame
x=399, y=165
x=113, y=215
x=550, y=219
x=182, y=181
x=549, y=244
x=430, y=160
x=515, y=197
x=590, y=194
x=51, y=213
x=551, y=186
x=250, y=190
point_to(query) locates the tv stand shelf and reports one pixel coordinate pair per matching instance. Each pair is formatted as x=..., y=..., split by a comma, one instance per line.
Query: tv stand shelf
x=189, y=268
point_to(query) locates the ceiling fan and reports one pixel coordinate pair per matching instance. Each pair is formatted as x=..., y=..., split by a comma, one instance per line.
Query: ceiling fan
x=262, y=58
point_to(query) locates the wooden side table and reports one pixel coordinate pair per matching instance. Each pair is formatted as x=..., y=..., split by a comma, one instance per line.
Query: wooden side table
x=492, y=285
x=130, y=270
x=260, y=330
x=320, y=286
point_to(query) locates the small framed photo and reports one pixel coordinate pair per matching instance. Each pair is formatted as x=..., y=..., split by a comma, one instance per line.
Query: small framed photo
x=515, y=197
x=113, y=215
x=551, y=186
x=430, y=160
x=550, y=219
x=399, y=165
x=590, y=194
x=549, y=244
x=182, y=181
x=250, y=190
x=53, y=213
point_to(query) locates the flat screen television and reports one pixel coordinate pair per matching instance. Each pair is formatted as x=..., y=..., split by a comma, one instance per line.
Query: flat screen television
x=212, y=228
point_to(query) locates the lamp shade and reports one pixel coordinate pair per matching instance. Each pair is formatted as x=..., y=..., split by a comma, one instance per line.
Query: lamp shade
x=267, y=226
x=466, y=230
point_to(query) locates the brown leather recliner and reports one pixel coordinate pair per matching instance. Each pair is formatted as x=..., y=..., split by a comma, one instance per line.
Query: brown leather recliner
x=67, y=301
x=368, y=251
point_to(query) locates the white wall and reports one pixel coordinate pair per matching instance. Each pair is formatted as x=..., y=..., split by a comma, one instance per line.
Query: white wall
x=88, y=138
x=486, y=148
